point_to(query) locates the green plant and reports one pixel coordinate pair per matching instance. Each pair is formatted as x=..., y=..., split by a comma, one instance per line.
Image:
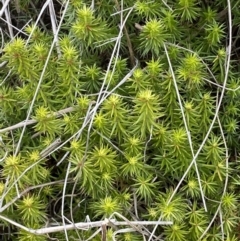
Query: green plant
x=116, y=112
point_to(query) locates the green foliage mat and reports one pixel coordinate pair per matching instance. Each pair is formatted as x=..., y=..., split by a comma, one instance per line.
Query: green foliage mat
x=119, y=120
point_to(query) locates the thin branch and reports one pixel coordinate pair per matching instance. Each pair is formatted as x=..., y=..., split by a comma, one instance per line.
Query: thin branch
x=5, y=5
x=30, y=122
x=26, y=191
x=138, y=26
x=188, y=135
x=96, y=224
x=225, y=184
x=19, y=30
x=63, y=200
x=129, y=43
x=9, y=21
x=51, y=147
x=40, y=20
x=54, y=26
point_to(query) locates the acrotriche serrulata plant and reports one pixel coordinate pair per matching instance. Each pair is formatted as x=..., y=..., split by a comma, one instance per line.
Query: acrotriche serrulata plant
x=119, y=120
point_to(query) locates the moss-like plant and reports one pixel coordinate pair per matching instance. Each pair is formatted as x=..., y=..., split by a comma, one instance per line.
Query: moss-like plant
x=119, y=120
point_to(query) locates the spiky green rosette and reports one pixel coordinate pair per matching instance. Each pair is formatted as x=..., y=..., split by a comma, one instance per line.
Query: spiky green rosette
x=121, y=110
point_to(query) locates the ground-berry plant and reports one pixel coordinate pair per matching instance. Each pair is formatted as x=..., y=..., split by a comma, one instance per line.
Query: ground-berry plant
x=119, y=120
